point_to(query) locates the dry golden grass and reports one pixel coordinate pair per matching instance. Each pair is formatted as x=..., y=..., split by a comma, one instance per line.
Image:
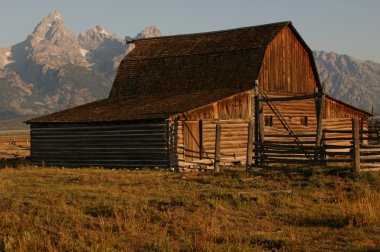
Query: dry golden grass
x=51, y=209
x=14, y=146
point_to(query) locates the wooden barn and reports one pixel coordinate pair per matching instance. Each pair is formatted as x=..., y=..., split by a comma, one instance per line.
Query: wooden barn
x=171, y=92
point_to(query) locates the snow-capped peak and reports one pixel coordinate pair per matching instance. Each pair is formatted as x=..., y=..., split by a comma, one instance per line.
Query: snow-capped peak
x=101, y=30
x=149, y=32
x=55, y=15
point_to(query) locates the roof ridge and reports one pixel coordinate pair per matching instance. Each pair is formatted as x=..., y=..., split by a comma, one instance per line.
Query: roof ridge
x=208, y=32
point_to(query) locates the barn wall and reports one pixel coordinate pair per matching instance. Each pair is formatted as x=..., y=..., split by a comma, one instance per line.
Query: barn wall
x=294, y=113
x=335, y=109
x=136, y=144
x=233, y=114
x=286, y=66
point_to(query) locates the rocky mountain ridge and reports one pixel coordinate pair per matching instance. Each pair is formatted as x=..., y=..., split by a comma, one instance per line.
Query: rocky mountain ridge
x=351, y=80
x=54, y=68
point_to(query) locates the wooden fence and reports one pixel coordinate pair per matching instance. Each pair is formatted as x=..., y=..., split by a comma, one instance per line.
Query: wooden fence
x=356, y=149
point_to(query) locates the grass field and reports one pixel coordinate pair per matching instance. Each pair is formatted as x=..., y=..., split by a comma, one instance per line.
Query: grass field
x=52, y=209
x=14, y=144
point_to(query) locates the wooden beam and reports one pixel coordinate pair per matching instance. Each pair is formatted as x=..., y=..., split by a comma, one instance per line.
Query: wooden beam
x=361, y=130
x=249, y=145
x=257, y=126
x=261, y=130
x=290, y=98
x=218, y=134
x=200, y=139
x=356, y=144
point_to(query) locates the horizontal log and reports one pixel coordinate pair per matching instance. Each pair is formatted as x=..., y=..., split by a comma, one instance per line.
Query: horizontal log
x=334, y=146
x=102, y=162
x=286, y=161
x=285, y=151
x=369, y=150
x=288, y=146
x=336, y=153
x=292, y=136
x=114, y=165
x=370, y=146
x=337, y=139
x=286, y=141
x=289, y=98
x=291, y=156
x=337, y=131
x=90, y=127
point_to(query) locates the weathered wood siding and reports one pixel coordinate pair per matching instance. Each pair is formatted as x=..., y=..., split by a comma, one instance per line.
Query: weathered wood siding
x=294, y=113
x=199, y=145
x=335, y=109
x=97, y=144
x=286, y=66
x=238, y=106
x=191, y=142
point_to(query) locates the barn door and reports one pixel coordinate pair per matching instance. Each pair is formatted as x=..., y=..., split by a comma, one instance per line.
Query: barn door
x=192, y=140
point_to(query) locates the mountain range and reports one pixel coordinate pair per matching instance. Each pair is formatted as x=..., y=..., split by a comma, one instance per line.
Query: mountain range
x=54, y=68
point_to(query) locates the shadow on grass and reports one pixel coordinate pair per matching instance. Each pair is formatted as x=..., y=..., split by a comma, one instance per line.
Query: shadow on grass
x=14, y=162
x=328, y=222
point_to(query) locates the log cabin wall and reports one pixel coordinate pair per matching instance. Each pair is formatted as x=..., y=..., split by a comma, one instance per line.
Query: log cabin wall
x=193, y=133
x=286, y=66
x=299, y=114
x=132, y=144
x=338, y=116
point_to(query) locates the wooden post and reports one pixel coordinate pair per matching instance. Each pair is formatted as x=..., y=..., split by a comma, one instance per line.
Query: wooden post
x=361, y=130
x=218, y=131
x=168, y=144
x=257, y=124
x=356, y=144
x=261, y=129
x=200, y=139
x=323, y=148
x=249, y=145
x=319, y=104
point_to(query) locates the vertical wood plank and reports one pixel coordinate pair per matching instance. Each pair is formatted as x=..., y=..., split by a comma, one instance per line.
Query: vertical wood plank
x=249, y=145
x=218, y=134
x=168, y=144
x=257, y=126
x=361, y=130
x=200, y=139
x=319, y=106
x=356, y=144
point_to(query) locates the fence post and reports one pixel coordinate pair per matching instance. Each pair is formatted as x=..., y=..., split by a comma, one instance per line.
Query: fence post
x=249, y=145
x=356, y=144
x=259, y=125
x=361, y=130
x=200, y=139
x=261, y=130
x=319, y=103
x=218, y=131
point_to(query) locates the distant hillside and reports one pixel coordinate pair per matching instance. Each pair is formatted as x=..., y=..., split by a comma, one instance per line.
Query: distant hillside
x=354, y=81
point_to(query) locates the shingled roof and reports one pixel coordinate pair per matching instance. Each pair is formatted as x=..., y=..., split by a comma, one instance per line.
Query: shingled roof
x=134, y=108
x=168, y=75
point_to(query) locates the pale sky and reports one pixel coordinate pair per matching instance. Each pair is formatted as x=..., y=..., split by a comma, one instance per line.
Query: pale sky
x=344, y=26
